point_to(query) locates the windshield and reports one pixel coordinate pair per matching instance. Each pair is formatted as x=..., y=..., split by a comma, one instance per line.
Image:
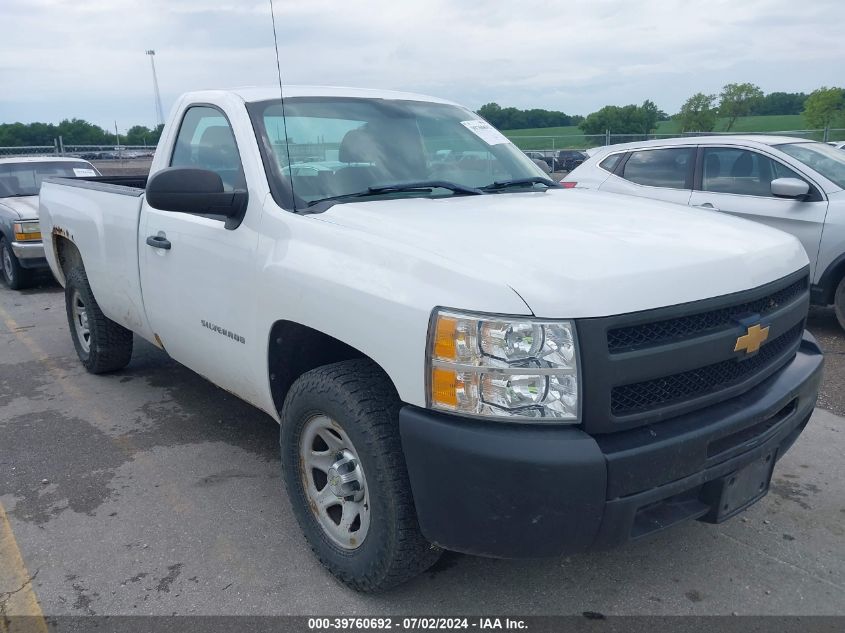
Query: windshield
x=24, y=179
x=827, y=160
x=343, y=146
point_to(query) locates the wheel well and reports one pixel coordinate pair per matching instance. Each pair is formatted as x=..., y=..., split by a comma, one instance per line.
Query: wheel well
x=830, y=280
x=67, y=254
x=295, y=349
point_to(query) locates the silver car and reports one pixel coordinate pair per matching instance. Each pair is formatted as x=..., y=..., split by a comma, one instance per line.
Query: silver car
x=792, y=184
x=21, y=250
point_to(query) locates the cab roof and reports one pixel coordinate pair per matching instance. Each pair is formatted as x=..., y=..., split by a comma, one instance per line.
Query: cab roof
x=715, y=139
x=251, y=94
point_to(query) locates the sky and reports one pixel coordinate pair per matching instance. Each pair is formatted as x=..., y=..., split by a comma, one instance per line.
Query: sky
x=86, y=58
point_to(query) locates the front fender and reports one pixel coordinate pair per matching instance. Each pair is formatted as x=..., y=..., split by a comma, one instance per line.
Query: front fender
x=368, y=292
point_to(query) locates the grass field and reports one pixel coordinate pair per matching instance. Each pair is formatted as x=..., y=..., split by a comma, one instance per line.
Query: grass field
x=572, y=136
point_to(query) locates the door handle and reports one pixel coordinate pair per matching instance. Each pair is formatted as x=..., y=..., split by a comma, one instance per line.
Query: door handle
x=708, y=205
x=158, y=241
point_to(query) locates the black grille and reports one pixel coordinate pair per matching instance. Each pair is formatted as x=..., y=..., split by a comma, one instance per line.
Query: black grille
x=627, y=399
x=639, y=336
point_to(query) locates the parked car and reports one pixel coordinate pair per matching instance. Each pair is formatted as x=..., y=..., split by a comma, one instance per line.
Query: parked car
x=569, y=159
x=791, y=184
x=839, y=145
x=461, y=355
x=21, y=250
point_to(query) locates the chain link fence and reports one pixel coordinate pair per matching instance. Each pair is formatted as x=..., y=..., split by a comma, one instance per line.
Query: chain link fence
x=87, y=152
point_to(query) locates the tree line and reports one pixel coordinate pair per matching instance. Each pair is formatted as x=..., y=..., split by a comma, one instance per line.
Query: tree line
x=700, y=113
x=515, y=119
x=74, y=132
x=822, y=108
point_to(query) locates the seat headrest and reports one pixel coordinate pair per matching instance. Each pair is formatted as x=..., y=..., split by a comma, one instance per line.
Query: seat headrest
x=743, y=166
x=217, y=149
x=359, y=146
x=220, y=135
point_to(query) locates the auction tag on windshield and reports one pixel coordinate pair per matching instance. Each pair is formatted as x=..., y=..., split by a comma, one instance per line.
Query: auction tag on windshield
x=485, y=132
x=82, y=172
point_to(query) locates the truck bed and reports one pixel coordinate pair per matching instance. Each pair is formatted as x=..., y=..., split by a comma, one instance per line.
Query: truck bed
x=135, y=181
x=101, y=216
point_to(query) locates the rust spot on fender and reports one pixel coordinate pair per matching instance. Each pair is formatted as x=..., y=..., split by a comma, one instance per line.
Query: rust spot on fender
x=158, y=342
x=62, y=232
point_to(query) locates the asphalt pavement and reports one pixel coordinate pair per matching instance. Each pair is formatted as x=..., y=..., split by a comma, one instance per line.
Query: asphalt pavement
x=151, y=491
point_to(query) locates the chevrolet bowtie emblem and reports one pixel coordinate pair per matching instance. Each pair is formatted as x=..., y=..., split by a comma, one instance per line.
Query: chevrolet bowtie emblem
x=751, y=341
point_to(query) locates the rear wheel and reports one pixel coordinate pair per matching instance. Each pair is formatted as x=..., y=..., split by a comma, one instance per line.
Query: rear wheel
x=839, y=303
x=346, y=478
x=15, y=276
x=101, y=344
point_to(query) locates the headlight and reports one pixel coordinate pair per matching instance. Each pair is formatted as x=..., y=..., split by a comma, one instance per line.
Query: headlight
x=501, y=367
x=27, y=231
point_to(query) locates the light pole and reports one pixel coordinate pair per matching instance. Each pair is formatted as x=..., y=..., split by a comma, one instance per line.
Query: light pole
x=159, y=112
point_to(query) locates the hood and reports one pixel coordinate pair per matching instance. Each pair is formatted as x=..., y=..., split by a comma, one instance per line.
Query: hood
x=581, y=253
x=25, y=207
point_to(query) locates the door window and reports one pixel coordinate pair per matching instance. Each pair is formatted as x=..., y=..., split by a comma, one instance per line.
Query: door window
x=206, y=141
x=741, y=171
x=668, y=168
x=611, y=162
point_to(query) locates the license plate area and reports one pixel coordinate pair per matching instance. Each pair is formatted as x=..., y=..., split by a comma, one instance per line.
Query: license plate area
x=736, y=491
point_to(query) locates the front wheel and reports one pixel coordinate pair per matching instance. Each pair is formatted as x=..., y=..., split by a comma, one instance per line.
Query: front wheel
x=346, y=478
x=101, y=344
x=16, y=276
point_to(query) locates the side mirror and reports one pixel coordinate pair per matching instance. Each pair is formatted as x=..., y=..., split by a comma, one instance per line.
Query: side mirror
x=197, y=191
x=789, y=188
x=543, y=165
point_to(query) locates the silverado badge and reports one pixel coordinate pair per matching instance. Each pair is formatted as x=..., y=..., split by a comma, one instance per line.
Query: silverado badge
x=751, y=341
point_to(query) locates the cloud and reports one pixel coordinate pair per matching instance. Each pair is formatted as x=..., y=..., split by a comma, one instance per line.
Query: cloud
x=64, y=58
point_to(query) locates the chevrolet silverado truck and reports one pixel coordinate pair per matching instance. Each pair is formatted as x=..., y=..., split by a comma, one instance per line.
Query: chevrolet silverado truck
x=460, y=354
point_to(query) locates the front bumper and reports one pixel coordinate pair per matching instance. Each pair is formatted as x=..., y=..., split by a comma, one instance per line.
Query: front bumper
x=519, y=491
x=29, y=254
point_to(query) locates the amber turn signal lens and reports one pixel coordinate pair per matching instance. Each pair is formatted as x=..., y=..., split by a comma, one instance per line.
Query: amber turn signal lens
x=444, y=387
x=27, y=237
x=445, y=338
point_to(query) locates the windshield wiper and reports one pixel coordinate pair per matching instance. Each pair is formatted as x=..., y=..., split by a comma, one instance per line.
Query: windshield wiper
x=401, y=187
x=520, y=182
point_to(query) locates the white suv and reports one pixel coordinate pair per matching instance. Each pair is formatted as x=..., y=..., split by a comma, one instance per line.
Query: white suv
x=791, y=184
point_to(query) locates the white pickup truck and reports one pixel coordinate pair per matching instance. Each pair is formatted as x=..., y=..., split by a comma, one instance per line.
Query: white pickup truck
x=460, y=354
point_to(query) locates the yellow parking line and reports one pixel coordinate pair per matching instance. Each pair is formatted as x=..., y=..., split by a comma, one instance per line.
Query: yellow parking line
x=23, y=599
x=17, y=596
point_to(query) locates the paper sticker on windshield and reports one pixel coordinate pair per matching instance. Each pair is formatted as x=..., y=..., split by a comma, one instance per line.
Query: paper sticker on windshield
x=486, y=132
x=82, y=172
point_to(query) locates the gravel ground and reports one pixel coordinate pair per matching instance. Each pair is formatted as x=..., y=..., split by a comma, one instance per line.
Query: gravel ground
x=823, y=325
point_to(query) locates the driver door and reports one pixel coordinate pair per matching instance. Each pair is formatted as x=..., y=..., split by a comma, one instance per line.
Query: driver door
x=196, y=277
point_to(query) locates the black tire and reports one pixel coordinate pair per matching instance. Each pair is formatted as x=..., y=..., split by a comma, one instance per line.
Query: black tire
x=360, y=398
x=109, y=346
x=15, y=276
x=839, y=303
